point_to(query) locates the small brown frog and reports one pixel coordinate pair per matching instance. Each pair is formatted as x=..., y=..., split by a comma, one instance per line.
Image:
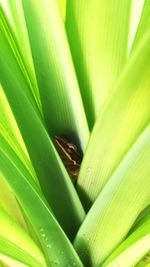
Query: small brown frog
x=70, y=155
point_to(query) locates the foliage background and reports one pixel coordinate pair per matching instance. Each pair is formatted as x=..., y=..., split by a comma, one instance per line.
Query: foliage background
x=79, y=68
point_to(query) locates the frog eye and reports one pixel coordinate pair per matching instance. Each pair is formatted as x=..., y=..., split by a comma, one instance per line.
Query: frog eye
x=71, y=148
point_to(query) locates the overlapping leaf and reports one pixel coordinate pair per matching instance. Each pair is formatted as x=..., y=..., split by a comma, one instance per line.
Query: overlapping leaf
x=98, y=36
x=124, y=116
x=130, y=252
x=49, y=168
x=125, y=195
x=14, y=11
x=55, y=73
x=54, y=243
x=15, y=242
x=115, y=170
x=143, y=26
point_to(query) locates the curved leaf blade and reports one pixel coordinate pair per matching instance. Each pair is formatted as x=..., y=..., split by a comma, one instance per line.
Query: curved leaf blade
x=132, y=249
x=123, y=198
x=98, y=36
x=55, y=244
x=46, y=162
x=121, y=121
x=54, y=69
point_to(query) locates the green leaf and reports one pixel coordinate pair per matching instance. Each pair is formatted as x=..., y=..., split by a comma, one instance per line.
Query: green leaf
x=132, y=249
x=54, y=69
x=63, y=7
x=123, y=198
x=119, y=124
x=16, y=18
x=15, y=49
x=55, y=244
x=145, y=261
x=46, y=162
x=142, y=218
x=9, y=203
x=16, y=243
x=143, y=26
x=9, y=129
x=98, y=36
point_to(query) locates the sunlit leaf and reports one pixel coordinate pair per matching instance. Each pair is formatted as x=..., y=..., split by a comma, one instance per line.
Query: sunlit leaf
x=98, y=36
x=118, y=126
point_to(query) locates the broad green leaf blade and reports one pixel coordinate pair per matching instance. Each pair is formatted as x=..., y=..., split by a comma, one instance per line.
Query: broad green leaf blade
x=14, y=256
x=130, y=257
x=145, y=261
x=98, y=36
x=55, y=245
x=9, y=203
x=141, y=219
x=11, y=233
x=6, y=261
x=123, y=198
x=46, y=162
x=122, y=119
x=7, y=150
x=143, y=26
x=9, y=129
x=60, y=96
x=15, y=14
x=63, y=7
x=136, y=11
x=132, y=249
x=12, y=41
